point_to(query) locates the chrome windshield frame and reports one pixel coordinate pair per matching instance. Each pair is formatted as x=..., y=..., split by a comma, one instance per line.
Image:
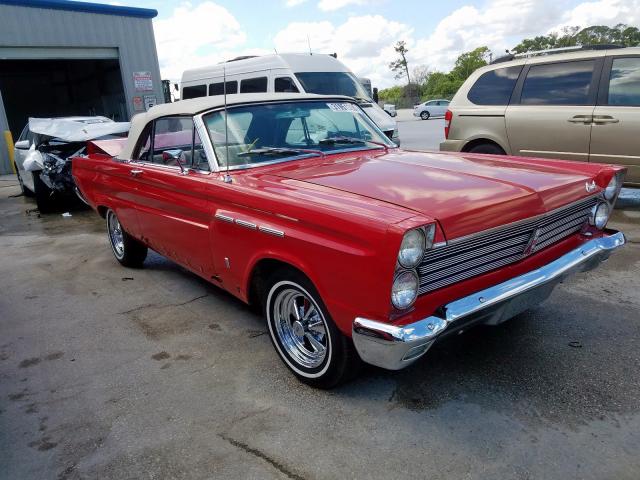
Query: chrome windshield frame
x=214, y=160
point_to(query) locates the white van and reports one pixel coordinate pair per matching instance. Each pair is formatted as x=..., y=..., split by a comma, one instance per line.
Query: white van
x=293, y=72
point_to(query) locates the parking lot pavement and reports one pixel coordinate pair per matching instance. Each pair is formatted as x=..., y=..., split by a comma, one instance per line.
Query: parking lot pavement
x=417, y=134
x=108, y=372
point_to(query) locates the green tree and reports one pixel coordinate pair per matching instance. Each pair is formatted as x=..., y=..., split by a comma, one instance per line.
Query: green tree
x=400, y=67
x=621, y=34
x=469, y=62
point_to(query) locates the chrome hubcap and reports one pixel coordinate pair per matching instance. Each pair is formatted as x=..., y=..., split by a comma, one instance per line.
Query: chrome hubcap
x=300, y=327
x=115, y=234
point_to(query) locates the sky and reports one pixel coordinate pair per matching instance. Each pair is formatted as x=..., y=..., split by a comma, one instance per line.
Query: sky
x=362, y=32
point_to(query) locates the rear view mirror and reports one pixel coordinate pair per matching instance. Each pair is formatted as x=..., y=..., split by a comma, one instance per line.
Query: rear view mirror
x=23, y=145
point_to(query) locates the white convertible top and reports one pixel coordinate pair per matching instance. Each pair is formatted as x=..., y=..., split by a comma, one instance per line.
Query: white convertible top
x=202, y=104
x=77, y=129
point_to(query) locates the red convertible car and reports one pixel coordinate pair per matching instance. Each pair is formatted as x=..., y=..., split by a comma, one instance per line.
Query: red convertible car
x=356, y=250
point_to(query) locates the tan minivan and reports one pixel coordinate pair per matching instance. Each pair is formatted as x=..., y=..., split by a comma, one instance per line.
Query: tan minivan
x=583, y=105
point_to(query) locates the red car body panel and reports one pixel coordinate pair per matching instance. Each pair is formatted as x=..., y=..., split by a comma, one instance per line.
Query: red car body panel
x=343, y=217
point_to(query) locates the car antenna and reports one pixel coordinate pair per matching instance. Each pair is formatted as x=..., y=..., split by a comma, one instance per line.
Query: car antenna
x=309, y=43
x=227, y=177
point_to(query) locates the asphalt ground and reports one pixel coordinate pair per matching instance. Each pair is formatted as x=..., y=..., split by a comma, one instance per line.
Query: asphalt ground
x=112, y=373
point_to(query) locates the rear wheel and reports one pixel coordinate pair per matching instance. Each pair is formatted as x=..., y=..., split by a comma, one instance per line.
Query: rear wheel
x=127, y=250
x=425, y=115
x=303, y=333
x=488, y=148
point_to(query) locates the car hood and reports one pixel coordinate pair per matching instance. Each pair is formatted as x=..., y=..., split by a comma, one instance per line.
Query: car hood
x=466, y=193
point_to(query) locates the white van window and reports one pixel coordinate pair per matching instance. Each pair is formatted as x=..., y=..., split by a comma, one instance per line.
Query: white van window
x=285, y=84
x=218, y=88
x=332, y=83
x=194, y=91
x=253, y=85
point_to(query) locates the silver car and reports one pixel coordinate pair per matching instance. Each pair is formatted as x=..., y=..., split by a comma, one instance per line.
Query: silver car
x=431, y=108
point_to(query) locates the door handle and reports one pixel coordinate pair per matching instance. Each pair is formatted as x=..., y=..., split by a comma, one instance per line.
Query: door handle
x=135, y=172
x=602, y=119
x=586, y=119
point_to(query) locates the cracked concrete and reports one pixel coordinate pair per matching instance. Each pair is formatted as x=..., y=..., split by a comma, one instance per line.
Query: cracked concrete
x=163, y=376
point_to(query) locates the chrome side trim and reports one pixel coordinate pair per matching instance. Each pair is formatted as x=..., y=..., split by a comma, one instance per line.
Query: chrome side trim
x=271, y=231
x=395, y=347
x=80, y=196
x=224, y=218
x=244, y=223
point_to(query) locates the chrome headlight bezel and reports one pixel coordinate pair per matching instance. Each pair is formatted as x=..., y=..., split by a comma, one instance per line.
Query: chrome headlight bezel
x=408, y=276
x=424, y=237
x=612, y=190
x=599, y=215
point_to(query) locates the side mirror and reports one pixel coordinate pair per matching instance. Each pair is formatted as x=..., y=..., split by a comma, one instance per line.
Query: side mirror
x=175, y=155
x=23, y=145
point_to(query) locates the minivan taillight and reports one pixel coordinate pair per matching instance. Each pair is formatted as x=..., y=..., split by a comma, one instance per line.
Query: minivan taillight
x=447, y=123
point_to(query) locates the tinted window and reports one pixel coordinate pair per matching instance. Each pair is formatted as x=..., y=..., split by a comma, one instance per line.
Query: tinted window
x=332, y=83
x=218, y=88
x=285, y=84
x=194, y=91
x=558, y=84
x=253, y=85
x=495, y=87
x=624, y=82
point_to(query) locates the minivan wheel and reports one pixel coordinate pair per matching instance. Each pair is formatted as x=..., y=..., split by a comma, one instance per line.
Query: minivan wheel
x=127, y=250
x=303, y=333
x=425, y=115
x=488, y=148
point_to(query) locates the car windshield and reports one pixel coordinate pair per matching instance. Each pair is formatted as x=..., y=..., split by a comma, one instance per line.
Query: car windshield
x=264, y=132
x=333, y=83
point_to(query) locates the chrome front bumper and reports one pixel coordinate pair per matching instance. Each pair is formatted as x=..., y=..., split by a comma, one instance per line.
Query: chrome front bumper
x=393, y=347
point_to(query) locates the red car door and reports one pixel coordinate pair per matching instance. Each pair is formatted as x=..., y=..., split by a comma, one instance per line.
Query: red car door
x=173, y=213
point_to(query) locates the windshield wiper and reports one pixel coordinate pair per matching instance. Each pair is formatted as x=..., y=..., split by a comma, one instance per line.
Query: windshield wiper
x=362, y=100
x=280, y=151
x=350, y=141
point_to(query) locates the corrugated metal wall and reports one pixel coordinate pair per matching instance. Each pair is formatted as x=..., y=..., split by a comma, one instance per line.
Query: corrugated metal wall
x=38, y=27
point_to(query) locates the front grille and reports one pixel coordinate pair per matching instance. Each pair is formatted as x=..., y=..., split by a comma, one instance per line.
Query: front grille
x=474, y=255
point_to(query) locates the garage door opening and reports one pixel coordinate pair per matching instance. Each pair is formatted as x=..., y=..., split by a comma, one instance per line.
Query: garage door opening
x=55, y=88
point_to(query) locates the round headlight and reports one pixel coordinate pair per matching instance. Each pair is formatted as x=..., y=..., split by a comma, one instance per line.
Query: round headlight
x=405, y=290
x=600, y=215
x=612, y=188
x=412, y=248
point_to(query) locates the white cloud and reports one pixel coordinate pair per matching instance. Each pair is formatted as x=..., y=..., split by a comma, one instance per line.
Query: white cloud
x=363, y=43
x=330, y=5
x=603, y=12
x=198, y=35
x=502, y=24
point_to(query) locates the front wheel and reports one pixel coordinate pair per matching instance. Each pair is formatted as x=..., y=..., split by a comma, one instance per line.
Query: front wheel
x=127, y=250
x=25, y=191
x=304, y=334
x=45, y=198
x=425, y=115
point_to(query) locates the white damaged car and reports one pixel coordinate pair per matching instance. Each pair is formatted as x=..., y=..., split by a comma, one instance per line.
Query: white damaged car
x=43, y=151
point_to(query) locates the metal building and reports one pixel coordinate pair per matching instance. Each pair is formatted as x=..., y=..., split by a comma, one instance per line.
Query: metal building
x=60, y=58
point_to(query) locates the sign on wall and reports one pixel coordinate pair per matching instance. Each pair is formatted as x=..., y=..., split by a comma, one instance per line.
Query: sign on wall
x=142, y=81
x=150, y=101
x=138, y=105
